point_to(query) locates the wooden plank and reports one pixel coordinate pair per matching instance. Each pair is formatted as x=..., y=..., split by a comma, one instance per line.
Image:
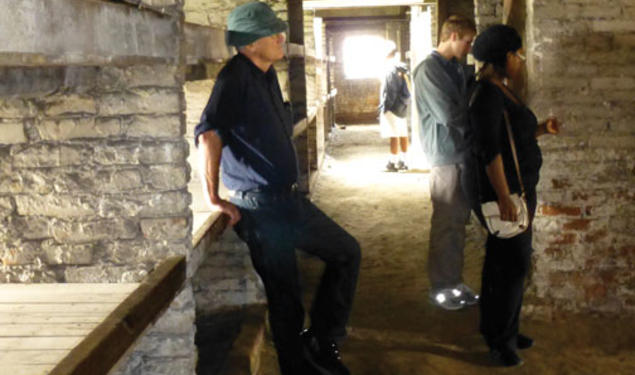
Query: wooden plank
x=65, y=292
x=32, y=357
x=38, y=343
x=56, y=308
x=507, y=10
x=34, y=298
x=46, y=329
x=43, y=317
x=26, y=369
x=105, y=345
x=214, y=225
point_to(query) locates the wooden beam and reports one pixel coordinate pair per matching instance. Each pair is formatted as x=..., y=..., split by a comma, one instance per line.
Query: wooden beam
x=507, y=9
x=335, y=4
x=442, y=15
x=98, y=352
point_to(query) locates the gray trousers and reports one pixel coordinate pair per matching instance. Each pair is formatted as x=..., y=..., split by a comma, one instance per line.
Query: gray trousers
x=450, y=214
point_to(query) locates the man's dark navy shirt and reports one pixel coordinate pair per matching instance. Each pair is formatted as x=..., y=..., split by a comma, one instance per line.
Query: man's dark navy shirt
x=247, y=112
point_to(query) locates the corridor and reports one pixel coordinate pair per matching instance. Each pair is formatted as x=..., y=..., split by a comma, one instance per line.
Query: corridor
x=393, y=329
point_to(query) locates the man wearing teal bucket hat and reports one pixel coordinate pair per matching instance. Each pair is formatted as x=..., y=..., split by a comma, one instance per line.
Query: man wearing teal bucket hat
x=246, y=128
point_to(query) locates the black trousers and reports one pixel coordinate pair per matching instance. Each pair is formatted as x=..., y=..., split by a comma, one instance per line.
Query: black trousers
x=507, y=262
x=274, y=226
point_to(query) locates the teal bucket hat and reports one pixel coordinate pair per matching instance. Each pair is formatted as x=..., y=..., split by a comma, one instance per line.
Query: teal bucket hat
x=250, y=22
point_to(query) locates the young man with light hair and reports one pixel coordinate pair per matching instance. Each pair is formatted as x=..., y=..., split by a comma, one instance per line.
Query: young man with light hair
x=441, y=99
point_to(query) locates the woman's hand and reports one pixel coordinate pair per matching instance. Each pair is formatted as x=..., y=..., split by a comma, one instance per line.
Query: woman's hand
x=507, y=208
x=552, y=125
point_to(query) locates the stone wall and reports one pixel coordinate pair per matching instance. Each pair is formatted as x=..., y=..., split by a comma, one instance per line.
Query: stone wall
x=93, y=173
x=487, y=12
x=93, y=185
x=215, y=12
x=581, y=60
x=93, y=168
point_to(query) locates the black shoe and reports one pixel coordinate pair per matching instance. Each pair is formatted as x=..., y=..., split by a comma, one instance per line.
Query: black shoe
x=402, y=166
x=324, y=354
x=524, y=342
x=505, y=356
x=391, y=167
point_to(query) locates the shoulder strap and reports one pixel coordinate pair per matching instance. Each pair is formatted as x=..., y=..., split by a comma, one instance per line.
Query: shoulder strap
x=513, y=147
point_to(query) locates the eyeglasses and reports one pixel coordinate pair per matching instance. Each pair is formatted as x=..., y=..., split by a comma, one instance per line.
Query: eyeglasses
x=520, y=56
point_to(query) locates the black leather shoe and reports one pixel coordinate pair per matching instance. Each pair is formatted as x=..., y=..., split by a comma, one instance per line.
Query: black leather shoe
x=505, y=356
x=324, y=354
x=524, y=342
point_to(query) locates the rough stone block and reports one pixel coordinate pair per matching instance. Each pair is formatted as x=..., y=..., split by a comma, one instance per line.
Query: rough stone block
x=167, y=152
x=116, y=78
x=107, y=273
x=33, y=227
x=35, y=156
x=142, y=250
x=28, y=274
x=69, y=104
x=152, y=75
x=67, y=254
x=75, y=155
x=125, y=180
x=16, y=108
x=20, y=253
x=64, y=206
x=96, y=230
x=12, y=132
x=117, y=154
x=6, y=207
x=154, y=127
x=64, y=129
x=138, y=101
x=162, y=204
x=166, y=177
x=165, y=229
x=117, y=205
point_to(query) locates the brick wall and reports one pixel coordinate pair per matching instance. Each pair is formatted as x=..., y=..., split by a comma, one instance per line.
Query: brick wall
x=581, y=69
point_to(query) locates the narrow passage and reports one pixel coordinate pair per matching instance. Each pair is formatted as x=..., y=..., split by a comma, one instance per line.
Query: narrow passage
x=393, y=329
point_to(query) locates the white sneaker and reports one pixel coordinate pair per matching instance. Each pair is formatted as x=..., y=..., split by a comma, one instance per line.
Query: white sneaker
x=447, y=299
x=466, y=294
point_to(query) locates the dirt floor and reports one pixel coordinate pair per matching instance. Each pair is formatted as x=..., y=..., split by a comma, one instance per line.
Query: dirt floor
x=393, y=329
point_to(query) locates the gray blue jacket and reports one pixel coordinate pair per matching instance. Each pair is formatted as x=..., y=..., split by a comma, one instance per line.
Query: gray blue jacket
x=442, y=106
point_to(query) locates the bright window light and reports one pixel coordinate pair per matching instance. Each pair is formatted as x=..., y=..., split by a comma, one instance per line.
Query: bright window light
x=364, y=56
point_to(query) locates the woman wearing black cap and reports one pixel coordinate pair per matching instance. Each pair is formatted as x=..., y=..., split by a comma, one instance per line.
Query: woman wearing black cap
x=507, y=261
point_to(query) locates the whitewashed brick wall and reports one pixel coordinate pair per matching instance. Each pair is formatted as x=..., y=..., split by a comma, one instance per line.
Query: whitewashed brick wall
x=581, y=68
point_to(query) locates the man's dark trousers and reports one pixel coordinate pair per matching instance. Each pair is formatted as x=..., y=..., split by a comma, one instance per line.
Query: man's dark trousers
x=273, y=225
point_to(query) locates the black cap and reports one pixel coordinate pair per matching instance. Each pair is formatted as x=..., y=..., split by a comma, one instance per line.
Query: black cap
x=492, y=45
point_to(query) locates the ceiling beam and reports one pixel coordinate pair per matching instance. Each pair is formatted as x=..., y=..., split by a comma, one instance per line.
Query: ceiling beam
x=334, y=4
